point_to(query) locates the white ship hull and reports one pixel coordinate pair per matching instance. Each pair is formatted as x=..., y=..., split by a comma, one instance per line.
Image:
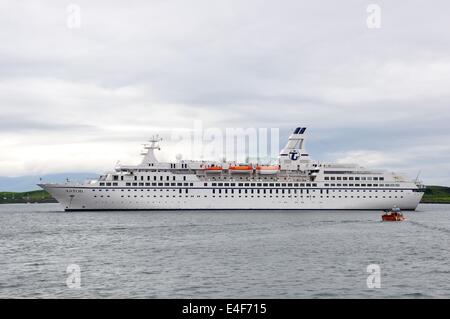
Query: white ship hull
x=80, y=198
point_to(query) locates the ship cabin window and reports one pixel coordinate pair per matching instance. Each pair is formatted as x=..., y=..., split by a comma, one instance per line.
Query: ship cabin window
x=128, y=184
x=115, y=178
x=184, y=178
x=220, y=184
x=327, y=178
x=289, y=184
x=314, y=185
x=356, y=178
x=232, y=184
x=191, y=184
x=283, y=184
x=265, y=184
x=344, y=178
x=102, y=184
x=240, y=184
x=333, y=178
x=226, y=184
x=160, y=184
x=363, y=178
x=381, y=178
x=154, y=178
x=205, y=184
x=327, y=185
x=350, y=178
x=338, y=178
x=375, y=178
x=135, y=178
x=179, y=184
x=252, y=184
x=214, y=184
x=134, y=184
x=302, y=184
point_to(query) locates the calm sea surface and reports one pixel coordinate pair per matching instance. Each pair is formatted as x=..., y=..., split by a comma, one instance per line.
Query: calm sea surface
x=218, y=254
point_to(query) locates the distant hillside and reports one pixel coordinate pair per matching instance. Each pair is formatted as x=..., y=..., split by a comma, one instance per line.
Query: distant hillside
x=26, y=197
x=28, y=183
x=436, y=194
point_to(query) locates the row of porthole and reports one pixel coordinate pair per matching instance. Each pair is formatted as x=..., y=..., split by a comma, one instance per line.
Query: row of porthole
x=252, y=196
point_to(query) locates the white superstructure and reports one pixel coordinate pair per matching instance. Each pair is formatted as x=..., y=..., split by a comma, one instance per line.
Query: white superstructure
x=296, y=182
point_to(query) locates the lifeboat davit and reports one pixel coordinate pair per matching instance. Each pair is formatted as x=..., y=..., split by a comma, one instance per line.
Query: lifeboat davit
x=213, y=169
x=267, y=169
x=241, y=169
x=394, y=215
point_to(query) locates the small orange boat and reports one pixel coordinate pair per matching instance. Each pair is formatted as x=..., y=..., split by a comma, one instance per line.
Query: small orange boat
x=393, y=216
x=213, y=169
x=267, y=169
x=241, y=168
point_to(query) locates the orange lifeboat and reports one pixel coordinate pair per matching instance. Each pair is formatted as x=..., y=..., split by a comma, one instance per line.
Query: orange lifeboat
x=241, y=169
x=213, y=169
x=267, y=169
x=393, y=216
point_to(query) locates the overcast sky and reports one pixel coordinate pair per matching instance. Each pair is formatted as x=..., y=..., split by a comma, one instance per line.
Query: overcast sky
x=79, y=97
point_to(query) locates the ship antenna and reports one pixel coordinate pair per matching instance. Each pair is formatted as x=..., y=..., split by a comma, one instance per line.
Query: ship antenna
x=418, y=174
x=149, y=156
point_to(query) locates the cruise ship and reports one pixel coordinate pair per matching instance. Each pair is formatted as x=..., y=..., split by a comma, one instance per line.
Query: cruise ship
x=295, y=182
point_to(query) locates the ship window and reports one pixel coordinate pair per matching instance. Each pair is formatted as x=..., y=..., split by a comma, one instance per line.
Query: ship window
x=295, y=184
x=375, y=178
x=128, y=184
x=252, y=184
x=338, y=178
x=350, y=178
x=226, y=184
x=214, y=184
x=220, y=184
x=271, y=184
x=241, y=184
x=184, y=178
x=191, y=184
x=173, y=184
x=381, y=178
x=205, y=184
x=102, y=184
x=302, y=184
x=232, y=184
x=283, y=184
x=327, y=184
x=314, y=185
x=344, y=178
x=186, y=184
x=265, y=184
x=179, y=184
x=160, y=184
x=327, y=178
